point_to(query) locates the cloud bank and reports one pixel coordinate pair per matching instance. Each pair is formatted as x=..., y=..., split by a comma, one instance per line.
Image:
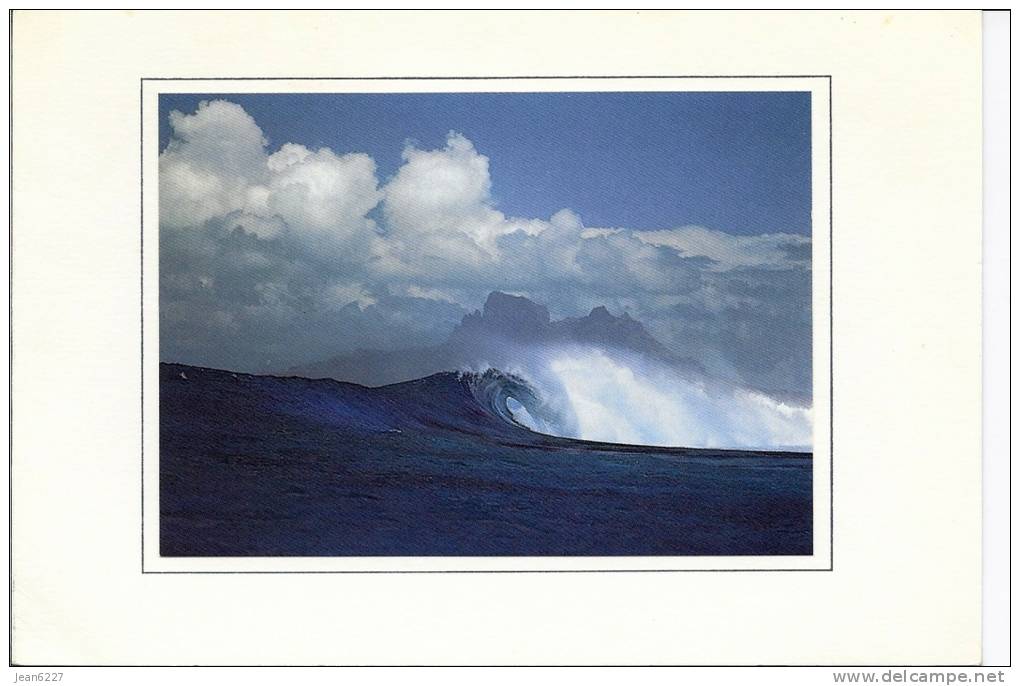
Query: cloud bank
x=274, y=257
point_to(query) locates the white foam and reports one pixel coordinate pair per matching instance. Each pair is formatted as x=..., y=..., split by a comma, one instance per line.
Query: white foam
x=624, y=399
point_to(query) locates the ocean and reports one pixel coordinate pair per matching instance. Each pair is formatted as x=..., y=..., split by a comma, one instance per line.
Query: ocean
x=286, y=466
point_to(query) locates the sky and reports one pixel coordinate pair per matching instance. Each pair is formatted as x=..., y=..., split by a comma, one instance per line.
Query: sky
x=298, y=226
x=641, y=160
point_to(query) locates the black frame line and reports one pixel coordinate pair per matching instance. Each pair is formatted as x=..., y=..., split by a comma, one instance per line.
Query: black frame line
x=10, y=334
x=368, y=665
x=482, y=78
x=141, y=133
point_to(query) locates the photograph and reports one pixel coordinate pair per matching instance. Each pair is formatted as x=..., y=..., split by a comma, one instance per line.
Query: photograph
x=485, y=324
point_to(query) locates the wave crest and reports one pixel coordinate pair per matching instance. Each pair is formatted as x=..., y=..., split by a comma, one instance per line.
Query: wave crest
x=596, y=395
x=513, y=399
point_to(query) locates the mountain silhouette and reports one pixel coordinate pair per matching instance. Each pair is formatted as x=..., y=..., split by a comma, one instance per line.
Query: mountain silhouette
x=495, y=336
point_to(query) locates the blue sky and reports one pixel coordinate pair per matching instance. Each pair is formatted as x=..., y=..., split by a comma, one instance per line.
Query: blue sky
x=736, y=162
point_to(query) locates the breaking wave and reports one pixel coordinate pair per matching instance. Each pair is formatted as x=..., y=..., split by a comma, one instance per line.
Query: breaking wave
x=595, y=395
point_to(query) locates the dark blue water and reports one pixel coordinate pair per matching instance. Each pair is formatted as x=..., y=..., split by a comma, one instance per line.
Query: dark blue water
x=263, y=466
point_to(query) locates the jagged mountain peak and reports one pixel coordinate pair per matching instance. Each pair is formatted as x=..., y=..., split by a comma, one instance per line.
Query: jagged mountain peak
x=506, y=310
x=483, y=335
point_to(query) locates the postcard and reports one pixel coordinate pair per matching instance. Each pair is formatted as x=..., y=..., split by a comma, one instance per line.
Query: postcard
x=496, y=338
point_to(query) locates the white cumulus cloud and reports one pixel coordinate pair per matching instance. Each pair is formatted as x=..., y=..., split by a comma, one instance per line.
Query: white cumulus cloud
x=217, y=164
x=213, y=157
x=443, y=197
